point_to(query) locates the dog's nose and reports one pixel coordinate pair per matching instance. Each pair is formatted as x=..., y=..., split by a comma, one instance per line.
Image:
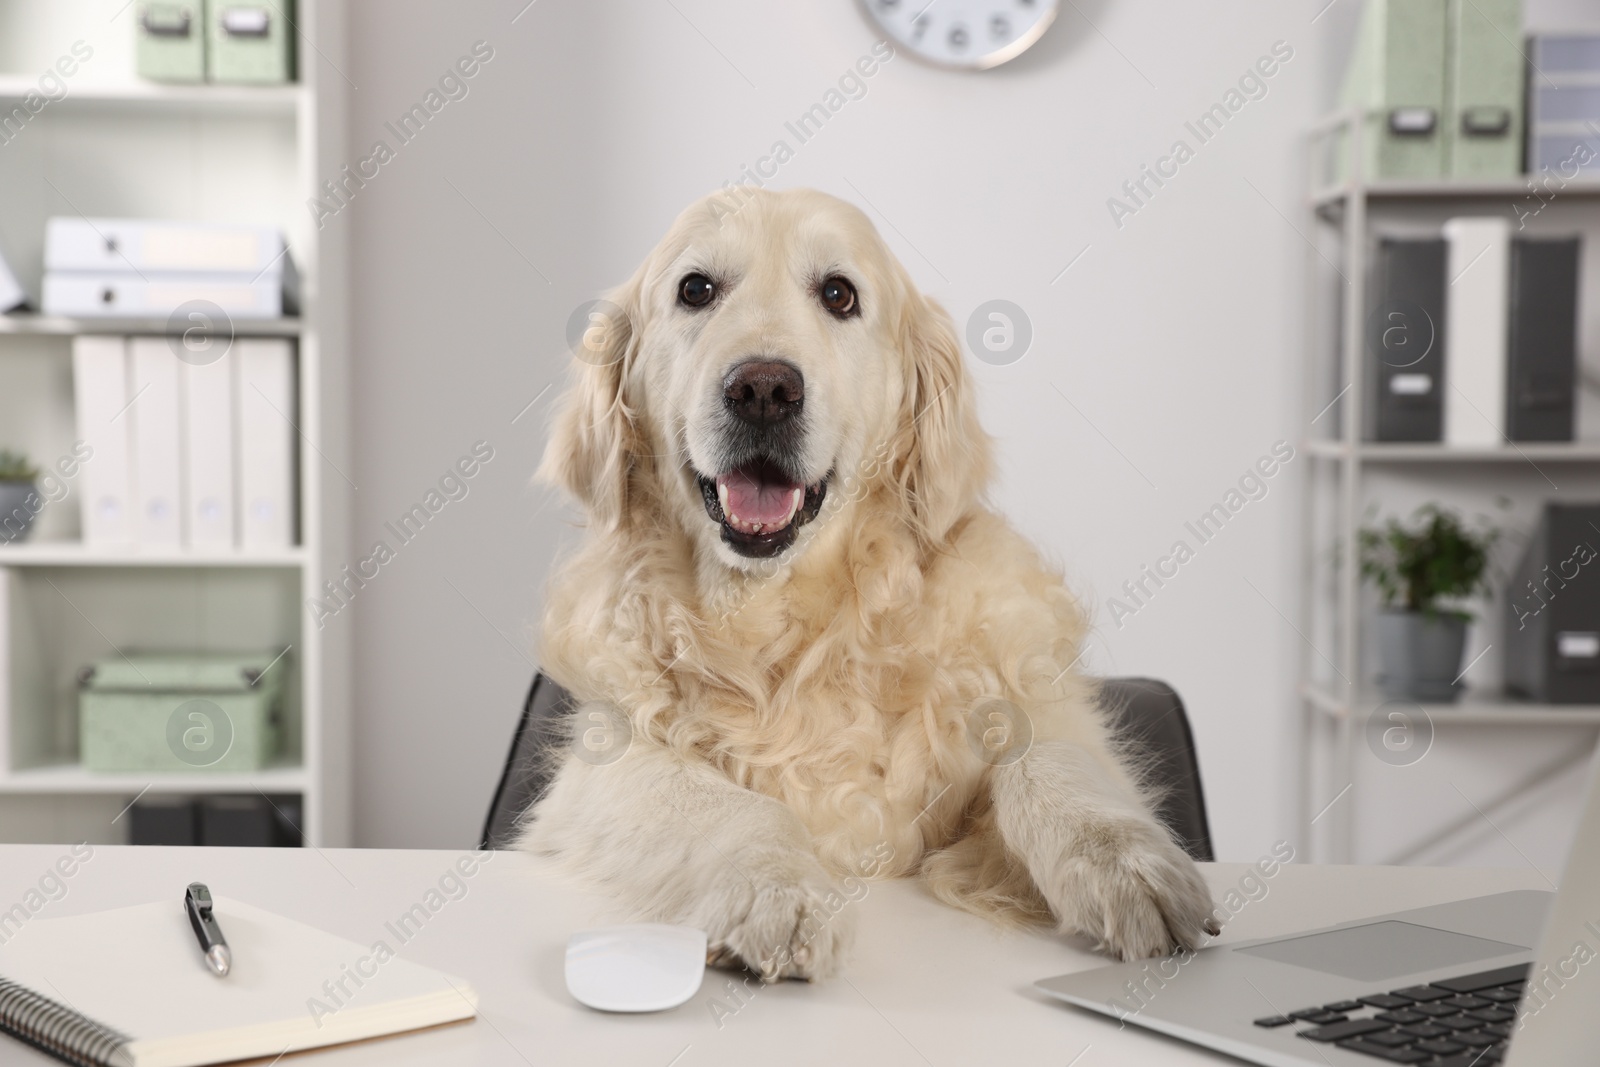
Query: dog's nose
x=764, y=391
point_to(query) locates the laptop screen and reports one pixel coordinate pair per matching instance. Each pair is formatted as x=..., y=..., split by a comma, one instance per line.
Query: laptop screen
x=1561, y=1008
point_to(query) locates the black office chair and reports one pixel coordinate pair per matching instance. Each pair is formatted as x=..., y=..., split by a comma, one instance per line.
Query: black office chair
x=1146, y=713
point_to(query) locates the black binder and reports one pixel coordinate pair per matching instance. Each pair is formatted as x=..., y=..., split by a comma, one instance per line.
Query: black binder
x=1541, y=346
x=1405, y=341
x=1552, y=633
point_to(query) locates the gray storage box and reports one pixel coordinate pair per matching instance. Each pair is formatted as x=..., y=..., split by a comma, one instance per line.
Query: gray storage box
x=1552, y=634
x=172, y=41
x=250, y=44
x=184, y=714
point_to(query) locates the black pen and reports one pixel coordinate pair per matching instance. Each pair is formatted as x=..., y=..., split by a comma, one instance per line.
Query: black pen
x=197, y=902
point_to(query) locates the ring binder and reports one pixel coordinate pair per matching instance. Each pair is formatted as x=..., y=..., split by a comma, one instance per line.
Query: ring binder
x=55, y=1028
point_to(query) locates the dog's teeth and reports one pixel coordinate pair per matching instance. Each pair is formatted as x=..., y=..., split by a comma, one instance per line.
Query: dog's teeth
x=797, y=500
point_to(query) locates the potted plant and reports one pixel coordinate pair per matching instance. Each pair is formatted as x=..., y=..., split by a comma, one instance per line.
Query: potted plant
x=19, y=501
x=1423, y=570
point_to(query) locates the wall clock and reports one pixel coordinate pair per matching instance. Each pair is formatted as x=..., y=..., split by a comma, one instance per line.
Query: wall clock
x=968, y=34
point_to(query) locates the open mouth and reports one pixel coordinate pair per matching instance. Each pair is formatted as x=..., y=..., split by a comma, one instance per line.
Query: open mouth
x=760, y=507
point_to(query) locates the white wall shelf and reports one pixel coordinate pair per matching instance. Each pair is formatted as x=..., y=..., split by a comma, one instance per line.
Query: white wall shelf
x=33, y=325
x=1521, y=452
x=72, y=779
x=117, y=146
x=1474, y=708
x=149, y=96
x=71, y=554
x=1351, y=475
x=1335, y=197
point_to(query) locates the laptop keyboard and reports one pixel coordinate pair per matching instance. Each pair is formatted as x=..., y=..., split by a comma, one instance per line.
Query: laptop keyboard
x=1454, y=1022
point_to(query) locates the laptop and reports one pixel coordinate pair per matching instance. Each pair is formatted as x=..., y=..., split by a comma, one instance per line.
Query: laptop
x=1512, y=978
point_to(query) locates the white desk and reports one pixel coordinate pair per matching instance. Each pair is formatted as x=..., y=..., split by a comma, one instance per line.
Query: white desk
x=926, y=985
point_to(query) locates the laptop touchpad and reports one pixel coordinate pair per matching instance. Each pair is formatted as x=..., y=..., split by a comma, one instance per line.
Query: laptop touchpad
x=1379, y=950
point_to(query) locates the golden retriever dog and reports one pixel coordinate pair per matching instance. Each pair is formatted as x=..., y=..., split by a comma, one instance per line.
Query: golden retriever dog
x=830, y=658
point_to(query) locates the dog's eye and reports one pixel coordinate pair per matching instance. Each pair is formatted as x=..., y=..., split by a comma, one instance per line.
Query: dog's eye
x=696, y=291
x=838, y=295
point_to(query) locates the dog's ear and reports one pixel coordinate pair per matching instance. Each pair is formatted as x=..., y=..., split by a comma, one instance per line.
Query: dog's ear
x=942, y=456
x=593, y=438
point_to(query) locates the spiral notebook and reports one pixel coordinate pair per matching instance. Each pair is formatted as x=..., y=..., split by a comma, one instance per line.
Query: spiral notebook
x=128, y=988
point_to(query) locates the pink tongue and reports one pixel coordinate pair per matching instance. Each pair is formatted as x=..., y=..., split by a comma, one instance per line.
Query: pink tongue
x=756, y=501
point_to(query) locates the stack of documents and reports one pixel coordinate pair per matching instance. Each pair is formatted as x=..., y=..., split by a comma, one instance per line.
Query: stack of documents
x=140, y=268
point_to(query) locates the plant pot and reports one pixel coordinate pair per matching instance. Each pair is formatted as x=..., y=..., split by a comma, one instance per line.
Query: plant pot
x=16, y=516
x=1419, y=656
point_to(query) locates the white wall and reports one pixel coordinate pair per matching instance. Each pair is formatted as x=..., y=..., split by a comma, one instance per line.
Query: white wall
x=1164, y=362
x=1174, y=336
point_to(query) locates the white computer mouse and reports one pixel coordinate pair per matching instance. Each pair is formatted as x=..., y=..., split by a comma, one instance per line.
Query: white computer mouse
x=639, y=967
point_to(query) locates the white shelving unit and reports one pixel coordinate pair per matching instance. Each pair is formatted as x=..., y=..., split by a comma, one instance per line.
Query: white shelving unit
x=118, y=146
x=1348, y=474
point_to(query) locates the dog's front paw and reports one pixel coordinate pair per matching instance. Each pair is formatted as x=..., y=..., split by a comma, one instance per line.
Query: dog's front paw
x=777, y=913
x=1135, y=892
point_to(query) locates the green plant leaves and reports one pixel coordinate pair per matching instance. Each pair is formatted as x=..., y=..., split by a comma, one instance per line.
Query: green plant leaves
x=14, y=467
x=1433, y=558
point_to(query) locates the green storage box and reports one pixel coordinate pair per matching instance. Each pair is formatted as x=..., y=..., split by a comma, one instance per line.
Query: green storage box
x=1396, y=80
x=250, y=44
x=172, y=41
x=181, y=713
x=1484, y=110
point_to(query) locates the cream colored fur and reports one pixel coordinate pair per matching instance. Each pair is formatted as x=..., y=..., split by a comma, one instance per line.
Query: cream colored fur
x=802, y=722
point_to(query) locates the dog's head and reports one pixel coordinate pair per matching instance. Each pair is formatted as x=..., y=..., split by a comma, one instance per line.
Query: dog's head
x=768, y=366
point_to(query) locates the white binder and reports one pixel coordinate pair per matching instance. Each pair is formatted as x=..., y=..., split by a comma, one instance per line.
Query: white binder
x=124, y=294
x=100, y=393
x=151, y=245
x=1478, y=270
x=266, y=390
x=157, y=450
x=207, y=397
